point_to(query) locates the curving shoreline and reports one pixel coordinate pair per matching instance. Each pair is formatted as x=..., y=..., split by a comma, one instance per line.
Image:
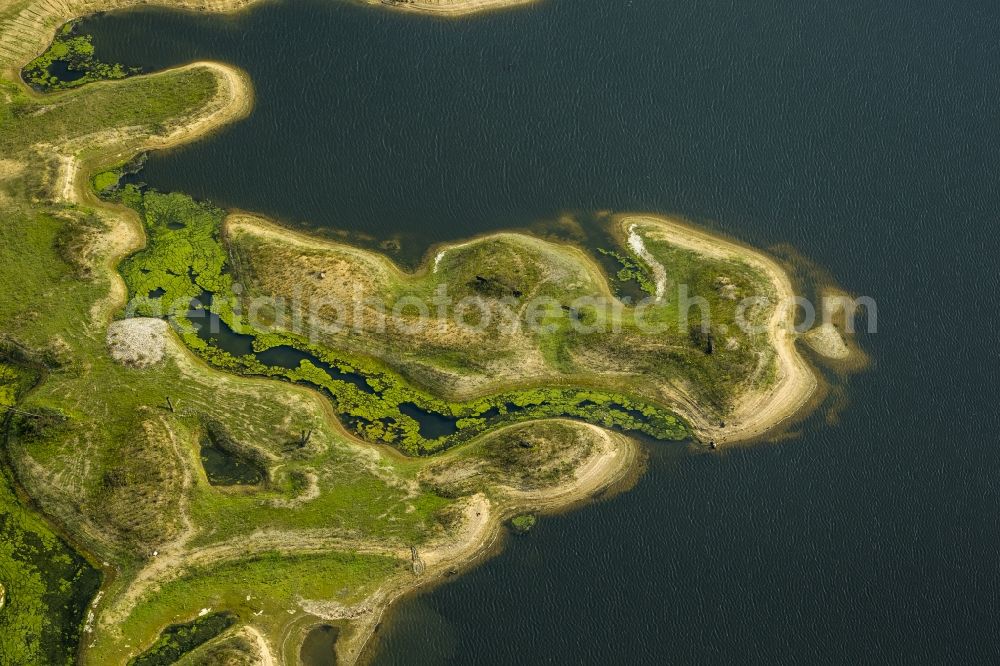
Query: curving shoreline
x=759, y=411
x=484, y=529
x=26, y=28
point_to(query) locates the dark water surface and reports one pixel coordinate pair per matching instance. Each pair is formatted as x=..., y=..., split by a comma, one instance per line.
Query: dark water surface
x=318, y=648
x=225, y=468
x=866, y=133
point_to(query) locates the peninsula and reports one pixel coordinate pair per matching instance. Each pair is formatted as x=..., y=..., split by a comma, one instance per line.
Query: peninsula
x=220, y=433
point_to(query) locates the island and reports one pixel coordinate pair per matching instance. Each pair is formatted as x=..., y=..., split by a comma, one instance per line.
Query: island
x=220, y=433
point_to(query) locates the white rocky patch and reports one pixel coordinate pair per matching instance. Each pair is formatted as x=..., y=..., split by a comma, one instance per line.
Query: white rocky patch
x=138, y=343
x=638, y=246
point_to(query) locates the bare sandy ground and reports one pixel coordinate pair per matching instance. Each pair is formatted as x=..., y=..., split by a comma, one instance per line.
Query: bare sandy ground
x=659, y=272
x=138, y=342
x=826, y=340
x=263, y=656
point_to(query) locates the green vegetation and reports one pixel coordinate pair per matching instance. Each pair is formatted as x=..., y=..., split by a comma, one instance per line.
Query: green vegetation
x=140, y=106
x=230, y=649
x=631, y=270
x=120, y=456
x=260, y=589
x=185, y=259
x=527, y=457
x=524, y=523
x=47, y=585
x=69, y=63
x=126, y=501
x=14, y=380
x=179, y=639
x=106, y=180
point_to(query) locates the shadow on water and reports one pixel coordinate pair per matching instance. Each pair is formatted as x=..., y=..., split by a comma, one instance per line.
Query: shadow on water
x=210, y=328
x=228, y=468
x=319, y=647
x=61, y=70
x=290, y=358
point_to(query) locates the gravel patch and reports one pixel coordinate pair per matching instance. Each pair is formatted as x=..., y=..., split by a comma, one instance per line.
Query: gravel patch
x=138, y=343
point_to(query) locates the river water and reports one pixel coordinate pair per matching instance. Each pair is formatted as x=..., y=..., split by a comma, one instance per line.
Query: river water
x=864, y=133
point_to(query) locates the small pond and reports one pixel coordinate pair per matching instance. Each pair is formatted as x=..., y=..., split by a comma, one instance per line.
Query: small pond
x=318, y=648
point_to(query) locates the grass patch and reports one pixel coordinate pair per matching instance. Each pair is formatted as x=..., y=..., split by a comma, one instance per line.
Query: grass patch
x=274, y=583
x=524, y=523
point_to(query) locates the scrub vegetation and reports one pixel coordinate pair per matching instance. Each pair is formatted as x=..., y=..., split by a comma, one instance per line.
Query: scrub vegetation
x=635, y=354
x=524, y=523
x=384, y=460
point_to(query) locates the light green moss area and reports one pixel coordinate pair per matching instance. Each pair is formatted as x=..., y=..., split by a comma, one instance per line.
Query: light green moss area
x=105, y=180
x=524, y=523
